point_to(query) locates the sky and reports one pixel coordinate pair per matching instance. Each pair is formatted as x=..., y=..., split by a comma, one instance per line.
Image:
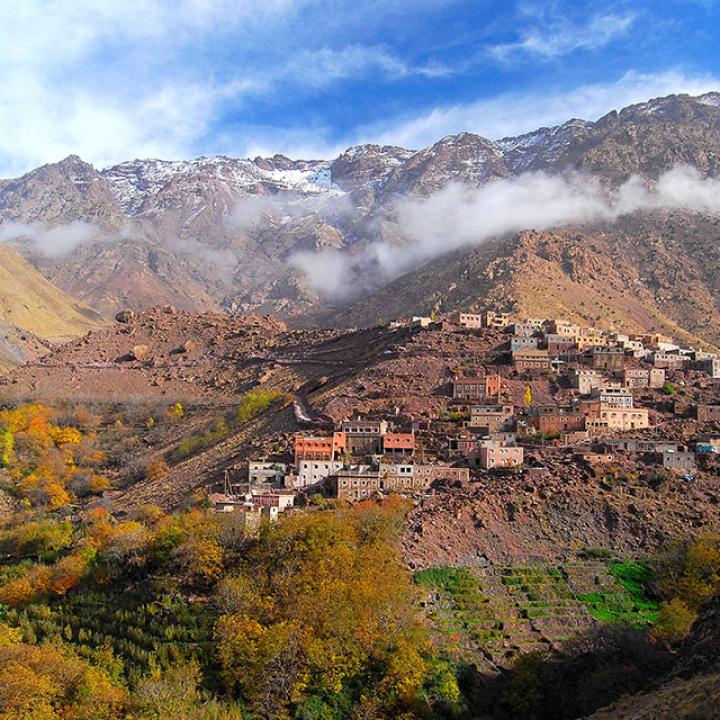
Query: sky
x=116, y=80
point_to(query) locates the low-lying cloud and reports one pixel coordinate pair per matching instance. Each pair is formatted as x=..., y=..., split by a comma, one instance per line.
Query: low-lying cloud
x=460, y=217
x=249, y=211
x=50, y=241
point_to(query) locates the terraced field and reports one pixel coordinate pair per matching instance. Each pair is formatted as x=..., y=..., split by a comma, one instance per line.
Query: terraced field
x=489, y=615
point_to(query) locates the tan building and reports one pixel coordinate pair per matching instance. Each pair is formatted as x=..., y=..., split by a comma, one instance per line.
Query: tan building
x=555, y=419
x=643, y=377
x=610, y=396
x=584, y=379
x=669, y=361
x=362, y=436
x=620, y=418
x=473, y=321
x=492, y=417
x=708, y=413
x=531, y=361
x=495, y=319
x=492, y=454
x=607, y=358
x=711, y=366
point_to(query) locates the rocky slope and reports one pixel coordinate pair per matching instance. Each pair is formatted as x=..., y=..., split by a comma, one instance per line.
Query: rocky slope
x=225, y=232
x=649, y=271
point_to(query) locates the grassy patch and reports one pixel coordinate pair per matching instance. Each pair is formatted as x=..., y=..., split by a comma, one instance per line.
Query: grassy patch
x=631, y=604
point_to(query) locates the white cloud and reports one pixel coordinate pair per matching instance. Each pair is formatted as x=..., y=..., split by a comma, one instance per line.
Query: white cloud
x=457, y=217
x=516, y=113
x=561, y=37
x=53, y=242
x=321, y=67
x=115, y=79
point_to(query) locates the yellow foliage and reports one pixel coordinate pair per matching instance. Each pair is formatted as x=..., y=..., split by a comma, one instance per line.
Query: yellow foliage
x=65, y=435
x=99, y=483
x=674, y=621
x=25, y=589
x=46, y=683
x=156, y=470
x=326, y=594
x=177, y=411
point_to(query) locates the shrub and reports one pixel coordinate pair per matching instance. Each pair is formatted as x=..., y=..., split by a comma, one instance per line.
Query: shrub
x=255, y=402
x=156, y=470
x=674, y=621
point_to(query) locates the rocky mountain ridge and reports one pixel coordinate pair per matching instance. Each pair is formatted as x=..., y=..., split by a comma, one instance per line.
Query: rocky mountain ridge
x=223, y=232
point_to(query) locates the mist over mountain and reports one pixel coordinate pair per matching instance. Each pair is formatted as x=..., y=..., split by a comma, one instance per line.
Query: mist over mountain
x=311, y=239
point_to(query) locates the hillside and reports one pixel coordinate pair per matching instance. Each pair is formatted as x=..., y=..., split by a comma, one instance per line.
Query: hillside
x=693, y=691
x=650, y=271
x=33, y=311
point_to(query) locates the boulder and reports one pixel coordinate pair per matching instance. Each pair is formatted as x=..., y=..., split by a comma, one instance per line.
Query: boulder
x=139, y=352
x=126, y=316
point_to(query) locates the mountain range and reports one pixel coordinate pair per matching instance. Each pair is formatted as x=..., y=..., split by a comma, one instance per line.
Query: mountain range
x=333, y=242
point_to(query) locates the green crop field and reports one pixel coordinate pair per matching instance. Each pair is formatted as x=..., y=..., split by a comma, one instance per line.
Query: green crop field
x=492, y=614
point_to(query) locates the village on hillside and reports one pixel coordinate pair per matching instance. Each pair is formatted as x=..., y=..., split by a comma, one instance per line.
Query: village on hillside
x=617, y=397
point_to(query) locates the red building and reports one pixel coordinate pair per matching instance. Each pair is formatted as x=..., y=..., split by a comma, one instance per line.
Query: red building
x=319, y=447
x=398, y=443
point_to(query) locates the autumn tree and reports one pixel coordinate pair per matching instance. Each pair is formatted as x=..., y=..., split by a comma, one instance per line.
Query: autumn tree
x=51, y=683
x=156, y=470
x=321, y=601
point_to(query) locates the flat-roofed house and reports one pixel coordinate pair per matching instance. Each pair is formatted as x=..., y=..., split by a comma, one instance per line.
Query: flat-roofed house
x=493, y=417
x=531, y=361
x=492, y=454
x=477, y=387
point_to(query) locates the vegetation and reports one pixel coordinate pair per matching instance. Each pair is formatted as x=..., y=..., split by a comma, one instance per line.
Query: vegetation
x=313, y=616
x=688, y=573
x=50, y=460
x=252, y=404
x=195, y=615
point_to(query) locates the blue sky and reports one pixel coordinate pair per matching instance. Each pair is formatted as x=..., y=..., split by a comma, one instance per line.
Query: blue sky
x=114, y=80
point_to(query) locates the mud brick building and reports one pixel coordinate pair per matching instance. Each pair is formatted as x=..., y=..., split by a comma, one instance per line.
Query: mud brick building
x=477, y=387
x=492, y=417
x=554, y=419
x=607, y=358
x=492, y=454
x=393, y=443
x=708, y=413
x=531, y=361
x=315, y=447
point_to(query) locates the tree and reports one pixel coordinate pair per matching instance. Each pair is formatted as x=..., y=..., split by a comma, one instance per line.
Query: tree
x=527, y=397
x=674, y=621
x=322, y=606
x=7, y=444
x=156, y=470
x=51, y=683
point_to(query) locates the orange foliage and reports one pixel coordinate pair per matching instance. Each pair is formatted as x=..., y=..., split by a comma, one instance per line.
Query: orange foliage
x=156, y=470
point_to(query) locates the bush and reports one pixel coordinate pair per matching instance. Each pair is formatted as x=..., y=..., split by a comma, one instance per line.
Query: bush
x=674, y=621
x=156, y=470
x=255, y=402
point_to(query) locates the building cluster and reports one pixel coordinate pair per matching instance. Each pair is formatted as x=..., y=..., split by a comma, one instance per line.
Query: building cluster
x=602, y=373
